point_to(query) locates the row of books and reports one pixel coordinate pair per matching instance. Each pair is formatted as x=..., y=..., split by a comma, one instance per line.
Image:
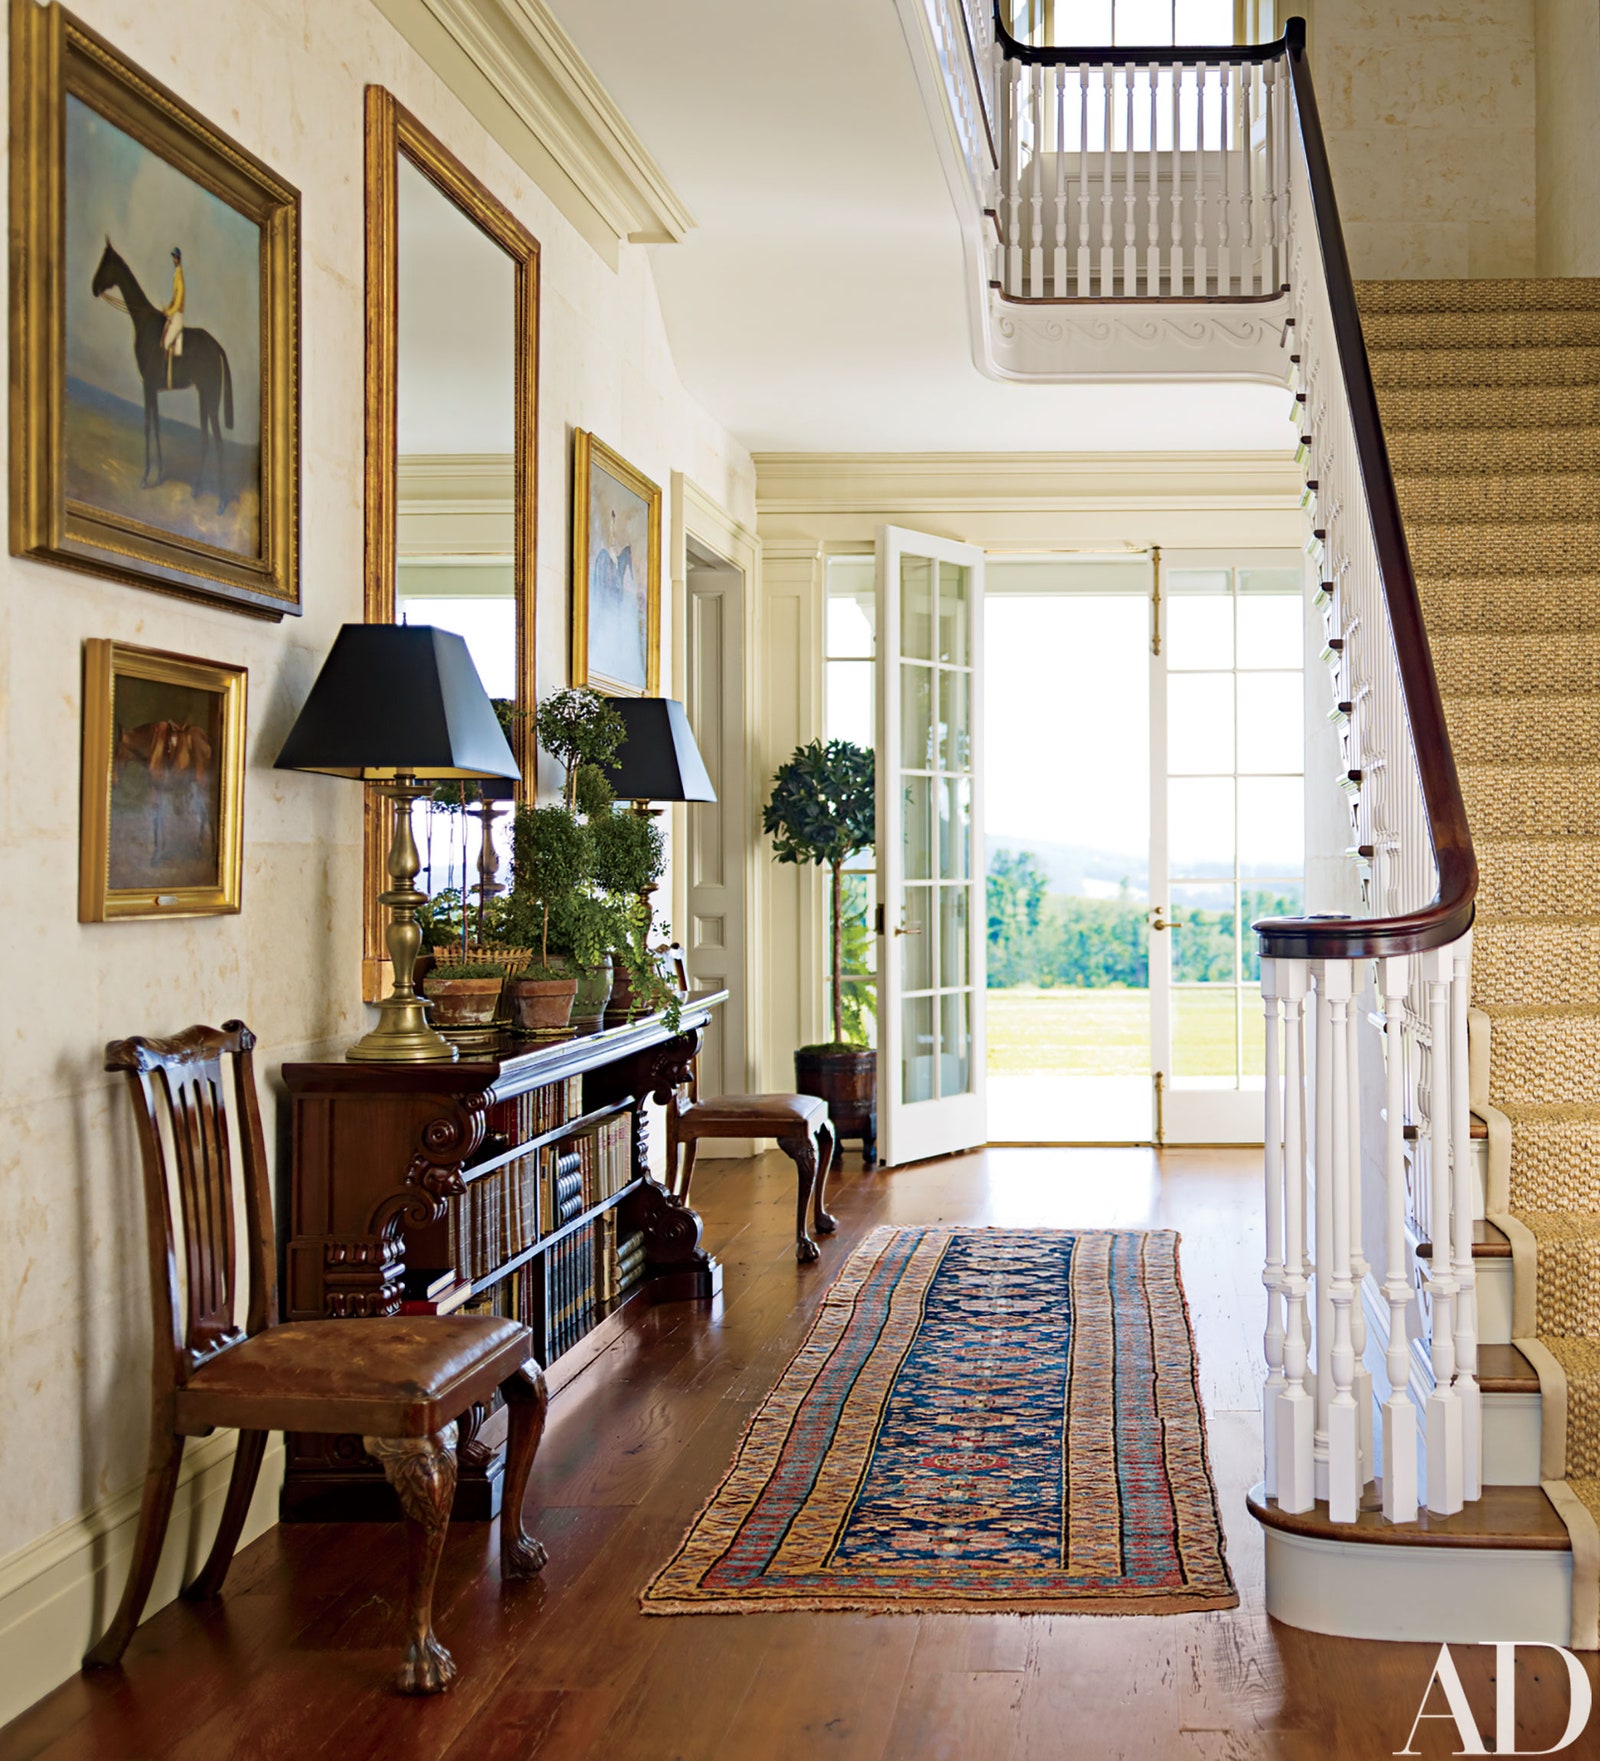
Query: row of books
x=502, y=1214
x=565, y=1291
x=543, y=1109
x=607, y=1159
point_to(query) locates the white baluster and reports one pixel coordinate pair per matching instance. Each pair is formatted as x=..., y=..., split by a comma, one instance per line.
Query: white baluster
x=1058, y=263
x=1152, y=262
x=1083, y=181
x=1130, y=251
x=1200, y=252
x=1107, y=255
x=1361, y=1376
x=1465, y=1207
x=1014, y=178
x=1446, y=1487
x=1036, y=198
x=1175, y=285
x=1229, y=84
x=1272, y=1275
x=1333, y=1251
x=1296, y=1414
x=1252, y=184
x=1399, y=1413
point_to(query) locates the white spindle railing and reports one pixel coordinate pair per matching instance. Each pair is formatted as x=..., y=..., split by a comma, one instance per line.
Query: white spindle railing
x=1320, y=1442
x=1176, y=169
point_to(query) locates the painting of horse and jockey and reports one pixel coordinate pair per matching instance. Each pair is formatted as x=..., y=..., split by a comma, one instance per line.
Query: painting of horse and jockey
x=162, y=416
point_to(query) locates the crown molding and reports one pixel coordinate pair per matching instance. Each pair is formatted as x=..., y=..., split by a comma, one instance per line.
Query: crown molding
x=521, y=76
x=1022, y=482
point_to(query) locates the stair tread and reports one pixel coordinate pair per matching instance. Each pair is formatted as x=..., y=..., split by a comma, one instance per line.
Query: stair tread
x=1532, y=293
x=1504, y=1517
x=1489, y=1242
x=1502, y=1369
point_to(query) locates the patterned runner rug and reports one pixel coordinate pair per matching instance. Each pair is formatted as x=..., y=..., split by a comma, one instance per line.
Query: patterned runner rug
x=995, y=1419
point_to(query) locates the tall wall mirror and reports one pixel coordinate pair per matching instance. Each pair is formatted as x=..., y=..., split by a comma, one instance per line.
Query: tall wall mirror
x=451, y=438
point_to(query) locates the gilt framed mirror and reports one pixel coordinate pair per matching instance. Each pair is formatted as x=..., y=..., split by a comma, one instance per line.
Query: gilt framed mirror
x=452, y=373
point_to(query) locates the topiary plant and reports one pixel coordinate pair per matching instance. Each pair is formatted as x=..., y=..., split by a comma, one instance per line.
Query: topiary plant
x=552, y=862
x=579, y=729
x=823, y=809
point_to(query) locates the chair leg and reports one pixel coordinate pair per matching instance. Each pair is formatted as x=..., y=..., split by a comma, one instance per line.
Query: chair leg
x=684, y=1179
x=827, y=1145
x=526, y=1398
x=160, y=1484
x=803, y=1153
x=241, y=1488
x=422, y=1471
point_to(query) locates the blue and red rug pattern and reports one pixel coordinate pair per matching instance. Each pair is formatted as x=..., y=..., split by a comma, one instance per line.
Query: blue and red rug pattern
x=996, y=1419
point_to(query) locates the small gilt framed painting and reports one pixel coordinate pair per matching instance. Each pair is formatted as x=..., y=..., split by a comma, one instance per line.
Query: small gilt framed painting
x=616, y=573
x=163, y=785
x=155, y=332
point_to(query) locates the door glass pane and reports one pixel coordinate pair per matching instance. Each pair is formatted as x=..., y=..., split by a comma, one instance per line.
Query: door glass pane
x=916, y=607
x=955, y=827
x=916, y=831
x=955, y=727
x=954, y=614
x=1205, y=1035
x=916, y=941
x=852, y=617
x=1272, y=827
x=1200, y=723
x=850, y=706
x=954, y=946
x=1271, y=724
x=1204, y=944
x=916, y=1049
x=1200, y=826
x=955, y=1043
x=1199, y=631
x=1271, y=629
x=1264, y=899
x=916, y=717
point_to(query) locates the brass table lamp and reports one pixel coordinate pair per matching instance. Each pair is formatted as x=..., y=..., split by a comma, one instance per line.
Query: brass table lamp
x=402, y=706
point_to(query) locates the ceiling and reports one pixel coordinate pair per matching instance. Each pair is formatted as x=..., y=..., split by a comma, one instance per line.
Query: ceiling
x=819, y=304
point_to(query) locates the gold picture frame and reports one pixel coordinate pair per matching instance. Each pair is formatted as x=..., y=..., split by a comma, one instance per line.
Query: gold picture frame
x=610, y=607
x=163, y=785
x=108, y=472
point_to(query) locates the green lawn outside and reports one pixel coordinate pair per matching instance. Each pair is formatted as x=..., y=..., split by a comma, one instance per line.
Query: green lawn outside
x=1062, y=1032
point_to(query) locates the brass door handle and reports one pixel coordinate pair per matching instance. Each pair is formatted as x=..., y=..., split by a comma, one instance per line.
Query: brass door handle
x=1157, y=921
x=901, y=930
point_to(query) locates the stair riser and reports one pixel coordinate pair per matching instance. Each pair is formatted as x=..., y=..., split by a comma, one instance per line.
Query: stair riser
x=1554, y=879
x=1405, y=369
x=1511, y=802
x=1478, y=330
x=1511, y=1439
x=1523, y=731
x=1448, y=494
x=1546, y=1061
x=1459, y=548
x=1568, y=1300
x=1509, y=606
x=1555, y=1166
x=1518, y=965
x=1545, y=293
x=1517, y=666
x=1494, y=1301
x=1445, y=408
x=1483, y=451
x=1437, y=1595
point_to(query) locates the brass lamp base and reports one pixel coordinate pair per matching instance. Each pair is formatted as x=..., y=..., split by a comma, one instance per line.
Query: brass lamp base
x=403, y=1035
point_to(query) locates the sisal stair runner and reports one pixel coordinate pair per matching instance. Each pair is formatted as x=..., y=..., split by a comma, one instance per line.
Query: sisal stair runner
x=1490, y=396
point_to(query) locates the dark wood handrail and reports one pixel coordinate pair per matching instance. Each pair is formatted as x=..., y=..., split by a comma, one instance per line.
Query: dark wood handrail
x=1450, y=913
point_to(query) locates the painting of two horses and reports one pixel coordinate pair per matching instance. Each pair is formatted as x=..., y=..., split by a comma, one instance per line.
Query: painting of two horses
x=166, y=786
x=161, y=419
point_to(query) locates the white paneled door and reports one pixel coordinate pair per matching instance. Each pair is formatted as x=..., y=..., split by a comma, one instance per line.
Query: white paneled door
x=931, y=917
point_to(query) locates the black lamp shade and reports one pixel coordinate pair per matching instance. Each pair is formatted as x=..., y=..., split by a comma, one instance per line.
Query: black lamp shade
x=398, y=697
x=658, y=761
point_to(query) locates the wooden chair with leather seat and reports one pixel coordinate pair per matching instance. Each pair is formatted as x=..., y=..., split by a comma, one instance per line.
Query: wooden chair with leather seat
x=801, y=1125
x=398, y=1382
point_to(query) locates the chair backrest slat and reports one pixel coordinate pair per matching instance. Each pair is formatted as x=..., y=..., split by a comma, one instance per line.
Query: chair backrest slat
x=180, y=1100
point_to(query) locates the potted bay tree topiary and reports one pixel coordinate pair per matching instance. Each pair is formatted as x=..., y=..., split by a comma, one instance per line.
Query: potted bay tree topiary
x=823, y=810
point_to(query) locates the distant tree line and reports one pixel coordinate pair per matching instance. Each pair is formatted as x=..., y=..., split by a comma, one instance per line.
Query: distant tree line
x=1044, y=938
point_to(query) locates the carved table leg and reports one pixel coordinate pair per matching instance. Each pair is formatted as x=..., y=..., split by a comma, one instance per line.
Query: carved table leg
x=827, y=1147
x=422, y=1471
x=526, y=1398
x=802, y=1151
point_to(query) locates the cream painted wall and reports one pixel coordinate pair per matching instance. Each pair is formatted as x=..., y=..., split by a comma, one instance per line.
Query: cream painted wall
x=1567, y=47
x=285, y=78
x=1429, y=115
x=816, y=505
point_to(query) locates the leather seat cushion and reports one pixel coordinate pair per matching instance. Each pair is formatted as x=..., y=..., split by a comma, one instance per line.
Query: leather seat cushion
x=387, y=1375
x=753, y=1115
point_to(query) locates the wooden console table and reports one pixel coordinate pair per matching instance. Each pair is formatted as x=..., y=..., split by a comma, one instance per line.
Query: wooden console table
x=384, y=1159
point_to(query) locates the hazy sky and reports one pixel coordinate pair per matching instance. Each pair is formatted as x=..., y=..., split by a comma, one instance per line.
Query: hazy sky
x=118, y=190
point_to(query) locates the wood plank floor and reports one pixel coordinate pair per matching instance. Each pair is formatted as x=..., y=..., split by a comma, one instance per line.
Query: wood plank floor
x=295, y=1659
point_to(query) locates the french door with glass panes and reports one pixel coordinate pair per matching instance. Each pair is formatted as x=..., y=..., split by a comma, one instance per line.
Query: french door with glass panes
x=931, y=917
x=1227, y=831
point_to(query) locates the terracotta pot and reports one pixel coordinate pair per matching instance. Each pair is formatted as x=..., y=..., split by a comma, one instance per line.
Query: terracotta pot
x=848, y=1082
x=541, y=1005
x=594, y=991
x=462, y=1002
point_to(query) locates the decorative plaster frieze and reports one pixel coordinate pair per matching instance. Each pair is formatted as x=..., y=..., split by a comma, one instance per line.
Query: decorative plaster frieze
x=1062, y=342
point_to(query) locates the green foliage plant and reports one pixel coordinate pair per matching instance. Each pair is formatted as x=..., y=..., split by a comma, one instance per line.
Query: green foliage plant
x=823, y=809
x=578, y=728
x=466, y=969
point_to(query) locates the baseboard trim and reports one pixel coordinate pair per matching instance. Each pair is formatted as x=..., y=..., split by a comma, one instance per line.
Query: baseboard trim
x=57, y=1592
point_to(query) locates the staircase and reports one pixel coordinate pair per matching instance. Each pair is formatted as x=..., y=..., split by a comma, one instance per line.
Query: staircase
x=1490, y=397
